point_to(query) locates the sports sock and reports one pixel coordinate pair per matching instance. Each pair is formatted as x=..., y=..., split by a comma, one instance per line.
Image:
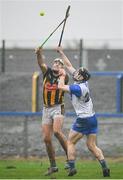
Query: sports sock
x=103, y=164
x=71, y=164
x=53, y=163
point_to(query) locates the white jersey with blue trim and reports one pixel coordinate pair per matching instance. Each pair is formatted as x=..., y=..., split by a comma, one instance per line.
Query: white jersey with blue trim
x=81, y=100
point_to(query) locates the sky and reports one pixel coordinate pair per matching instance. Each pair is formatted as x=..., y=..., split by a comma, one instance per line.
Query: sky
x=89, y=19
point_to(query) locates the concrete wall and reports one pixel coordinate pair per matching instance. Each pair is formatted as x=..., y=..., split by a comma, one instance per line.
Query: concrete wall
x=21, y=136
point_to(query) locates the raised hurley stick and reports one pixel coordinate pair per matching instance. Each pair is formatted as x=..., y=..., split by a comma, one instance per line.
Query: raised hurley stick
x=53, y=32
x=66, y=15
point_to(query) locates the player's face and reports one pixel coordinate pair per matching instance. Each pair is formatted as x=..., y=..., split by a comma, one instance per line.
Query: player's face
x=57, y=66
x=77, y=76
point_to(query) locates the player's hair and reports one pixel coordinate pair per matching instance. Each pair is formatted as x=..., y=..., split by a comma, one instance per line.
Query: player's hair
x=59, y=60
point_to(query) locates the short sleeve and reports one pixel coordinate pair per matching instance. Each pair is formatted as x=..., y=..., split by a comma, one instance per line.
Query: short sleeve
x=75, y=89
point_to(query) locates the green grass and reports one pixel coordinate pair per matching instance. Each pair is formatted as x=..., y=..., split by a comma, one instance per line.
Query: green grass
x=35, y=169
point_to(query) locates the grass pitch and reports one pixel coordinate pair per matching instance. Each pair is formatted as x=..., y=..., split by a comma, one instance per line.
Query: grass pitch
x=35, y=169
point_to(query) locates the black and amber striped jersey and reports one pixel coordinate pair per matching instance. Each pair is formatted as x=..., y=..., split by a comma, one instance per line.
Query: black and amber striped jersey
x=51, y=94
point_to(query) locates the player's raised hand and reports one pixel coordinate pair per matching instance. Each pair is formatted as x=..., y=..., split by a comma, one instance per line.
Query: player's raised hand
x=38, y=50
x=59, y=49
x=62, y=72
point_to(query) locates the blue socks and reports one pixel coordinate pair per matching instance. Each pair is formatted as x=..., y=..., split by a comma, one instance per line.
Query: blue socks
x=71, y=164
x=103, y=164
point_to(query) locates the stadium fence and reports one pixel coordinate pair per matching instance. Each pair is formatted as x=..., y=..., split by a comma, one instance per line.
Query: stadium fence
x=21, y=135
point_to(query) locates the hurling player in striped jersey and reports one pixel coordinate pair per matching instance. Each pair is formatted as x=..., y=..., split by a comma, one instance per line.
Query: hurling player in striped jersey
x=53, y=109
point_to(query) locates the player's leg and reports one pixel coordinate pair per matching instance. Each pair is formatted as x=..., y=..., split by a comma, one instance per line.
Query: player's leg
x=91, y=144
x=47, y=131
x=57, y=128
x=73, y=138
x=58, y=118
x=47, y=137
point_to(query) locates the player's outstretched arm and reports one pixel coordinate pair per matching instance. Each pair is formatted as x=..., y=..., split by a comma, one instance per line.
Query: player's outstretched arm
x=61, y=84
x=67, y=62
x=40, y=59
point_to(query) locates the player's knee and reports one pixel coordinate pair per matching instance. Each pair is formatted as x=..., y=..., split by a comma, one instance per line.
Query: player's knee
x=56, y=133
x=70, y=142
x=47, y=139
x=90, y=146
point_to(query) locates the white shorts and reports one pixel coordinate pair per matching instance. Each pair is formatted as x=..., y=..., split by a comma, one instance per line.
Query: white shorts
x=50, y=112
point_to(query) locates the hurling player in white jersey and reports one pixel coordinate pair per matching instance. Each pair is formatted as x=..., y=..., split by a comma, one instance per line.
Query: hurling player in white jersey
x=86, y=122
